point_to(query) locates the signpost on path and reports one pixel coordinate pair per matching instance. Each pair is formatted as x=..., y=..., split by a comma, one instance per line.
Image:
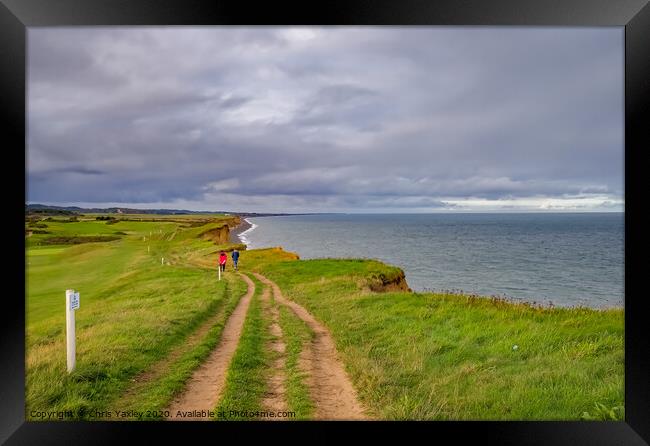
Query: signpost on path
x=71, y=304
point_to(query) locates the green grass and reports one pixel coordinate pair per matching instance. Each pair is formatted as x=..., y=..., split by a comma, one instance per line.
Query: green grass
x=133, y=312
x=296, y=334
x=450, y=357
x=409, y=355
x=246, y=378
x=116, y=338
x=156, y=395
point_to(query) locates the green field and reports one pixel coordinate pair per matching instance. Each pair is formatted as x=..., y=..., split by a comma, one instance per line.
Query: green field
x=409, y=355
x=451, y=357
x=133, y=312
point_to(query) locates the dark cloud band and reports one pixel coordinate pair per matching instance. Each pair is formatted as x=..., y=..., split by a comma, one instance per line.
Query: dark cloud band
x=327, y=119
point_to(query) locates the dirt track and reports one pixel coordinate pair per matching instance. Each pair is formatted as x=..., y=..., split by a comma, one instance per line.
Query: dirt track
x=204, y=388
x=275, y=397
x=331, y=390
x=329, y=386
x=161, y=367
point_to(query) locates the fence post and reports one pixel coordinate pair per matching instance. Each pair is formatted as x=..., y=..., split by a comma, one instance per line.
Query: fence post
x=70, y=328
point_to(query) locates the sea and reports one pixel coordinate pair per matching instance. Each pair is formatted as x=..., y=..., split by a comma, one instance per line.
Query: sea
x=558, y=259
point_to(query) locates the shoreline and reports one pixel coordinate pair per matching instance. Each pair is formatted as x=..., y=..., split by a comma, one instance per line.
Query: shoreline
x=235, y=233
x=238, y=235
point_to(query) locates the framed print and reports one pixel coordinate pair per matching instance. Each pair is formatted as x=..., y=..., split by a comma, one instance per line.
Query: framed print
x=385, y=216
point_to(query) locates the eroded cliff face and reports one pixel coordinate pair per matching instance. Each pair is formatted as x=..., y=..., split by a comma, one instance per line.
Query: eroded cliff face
x=221, y=235
x=218, y=235
x=234, y=221
x=383, y=283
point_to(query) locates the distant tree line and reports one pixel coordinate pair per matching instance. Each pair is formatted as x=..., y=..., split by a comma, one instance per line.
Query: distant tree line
x=47, y=211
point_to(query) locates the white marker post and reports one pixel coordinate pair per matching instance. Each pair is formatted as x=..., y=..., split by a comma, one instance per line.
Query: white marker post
x=219, y=268
x=71, y=304
x=162, y=260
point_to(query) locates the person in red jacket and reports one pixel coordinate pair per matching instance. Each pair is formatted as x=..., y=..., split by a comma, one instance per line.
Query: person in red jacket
x=222, y=260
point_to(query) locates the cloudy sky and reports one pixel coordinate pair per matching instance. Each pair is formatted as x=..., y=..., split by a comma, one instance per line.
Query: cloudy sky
x=341, y=119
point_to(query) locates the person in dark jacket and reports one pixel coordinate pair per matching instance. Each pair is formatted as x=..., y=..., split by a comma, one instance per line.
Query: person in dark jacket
x=235, y=258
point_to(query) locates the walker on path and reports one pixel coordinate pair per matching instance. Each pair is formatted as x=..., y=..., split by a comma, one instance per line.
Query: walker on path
x=222, y=263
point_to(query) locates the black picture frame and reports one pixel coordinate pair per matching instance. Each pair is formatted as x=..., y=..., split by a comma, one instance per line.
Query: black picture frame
x=634, y=15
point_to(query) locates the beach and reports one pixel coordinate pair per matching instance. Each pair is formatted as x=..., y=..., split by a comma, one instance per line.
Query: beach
x=237, y=234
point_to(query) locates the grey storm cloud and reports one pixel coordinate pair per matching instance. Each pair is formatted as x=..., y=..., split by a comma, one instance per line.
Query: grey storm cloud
x=326, y=119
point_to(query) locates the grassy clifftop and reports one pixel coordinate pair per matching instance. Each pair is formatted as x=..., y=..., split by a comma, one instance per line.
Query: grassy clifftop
x=410, y=355
x=452, y=357
x=141, y=296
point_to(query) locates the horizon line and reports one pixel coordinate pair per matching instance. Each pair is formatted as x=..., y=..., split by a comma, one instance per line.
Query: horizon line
x=433, y=211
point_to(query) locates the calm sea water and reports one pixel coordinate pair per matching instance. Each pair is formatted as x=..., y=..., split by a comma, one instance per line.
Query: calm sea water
x=566, y=259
